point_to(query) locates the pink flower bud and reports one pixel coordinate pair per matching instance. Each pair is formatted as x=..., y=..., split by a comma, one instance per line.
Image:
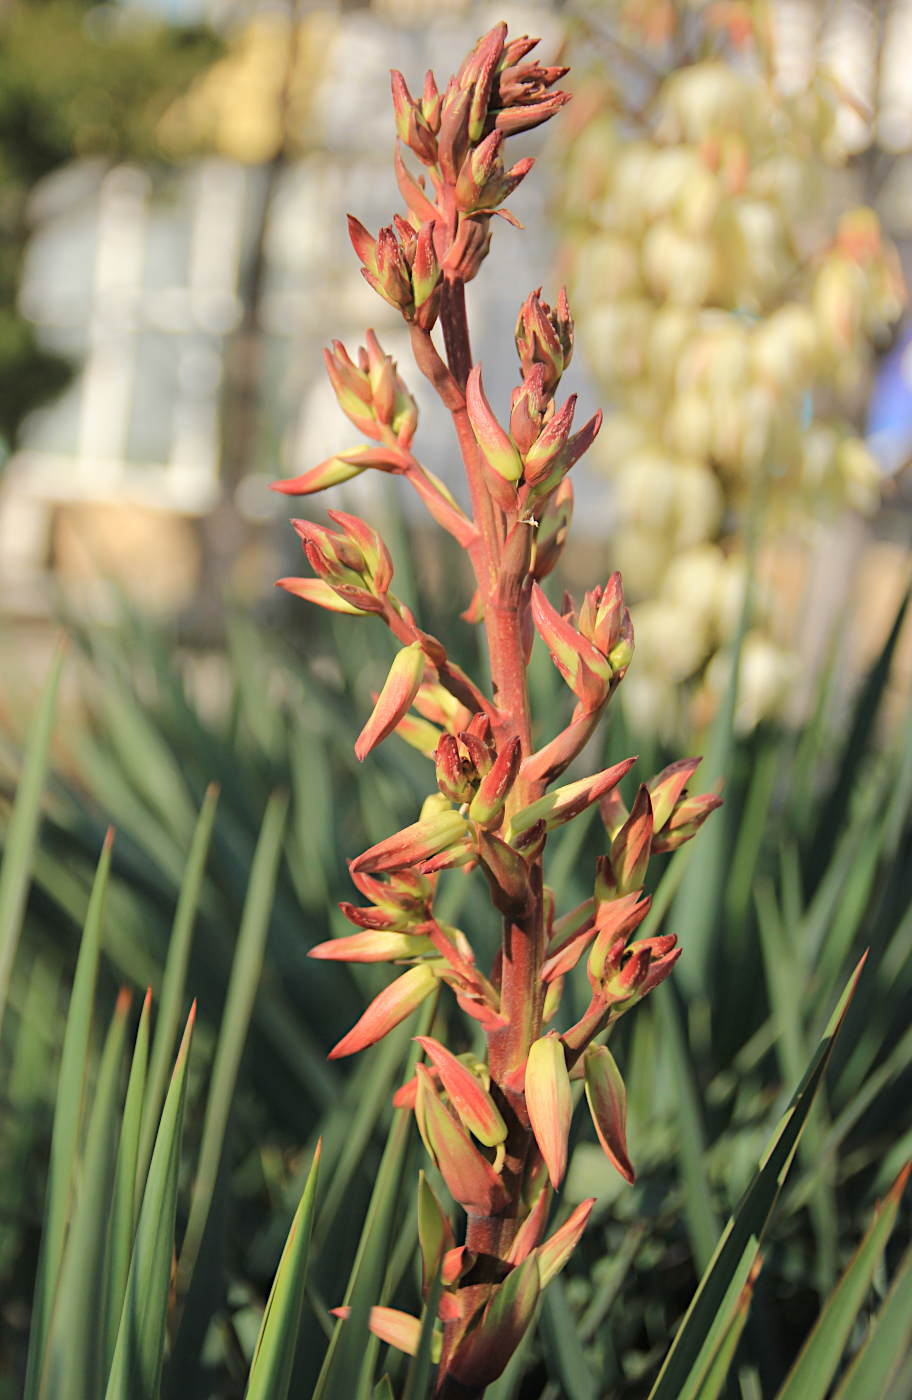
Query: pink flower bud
x=550, y=1103
x=394, y=1004
x=537, y=340
x=452, y=778
x=630, y=979
x=631, y=847
x=529, y=1235
x=394, y=700
x=567, y=457
x=477, y=751
x=685, y=821
x=411, y=124
x=470, y=247
x=363, y=243
x=426, y=268
x=467, y=1095
x=565, y=803
x=488, y=803
x=568, y=648
x=545, y=451
x=480, y=726
x=354, y=399
x=479, y=71
x=668, y=786
x=607, y=1099
x=610, y=616
x=471, y=1179
x=530, y=401
x=334, y=557
x=332, y=472
x=659, y=970
x=499, y=451
x=403, y=103
x=372, y=946
x=431, y=102
x=614, y=924
x=453, y=138
x=554, y=1253
x=512, y=120
x=481, y=176
x=371, y=546
x=414, y=844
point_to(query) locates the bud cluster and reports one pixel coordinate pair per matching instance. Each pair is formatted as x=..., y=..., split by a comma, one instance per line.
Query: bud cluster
x=353, y=564
x=524, y=465
x=592, y=648
x=497, y=1127
x=401, y=264
x=371, y=393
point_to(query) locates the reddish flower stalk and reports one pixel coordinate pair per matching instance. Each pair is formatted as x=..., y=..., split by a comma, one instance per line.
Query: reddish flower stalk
x=498, y=1131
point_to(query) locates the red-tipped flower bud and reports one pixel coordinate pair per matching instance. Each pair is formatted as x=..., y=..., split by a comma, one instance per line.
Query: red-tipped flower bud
x=394, y=700
x=488, y=803
x=631, y=847
x=466, y=1094
x=394, y=1003
x=607, y=1099
x=565, y=803
x=471, y=1179
x=498, y=449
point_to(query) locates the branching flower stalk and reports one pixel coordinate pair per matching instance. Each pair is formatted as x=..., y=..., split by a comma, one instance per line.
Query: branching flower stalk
x=498, y=1131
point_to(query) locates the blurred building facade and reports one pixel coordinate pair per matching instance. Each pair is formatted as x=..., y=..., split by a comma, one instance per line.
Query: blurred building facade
x=194, y=296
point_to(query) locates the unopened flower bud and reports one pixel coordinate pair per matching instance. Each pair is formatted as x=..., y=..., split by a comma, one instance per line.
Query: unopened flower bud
x=414, y=844
x=393, y=1005
x=431, y=102
x=411, y=123
x=545, y=337
x=453, y=139
x=452, y=779
x=499, y=451
x=527, y=410
x=471, y=1179
x=394, y=700
x=668, y=786
x=508, y=876
x=493, y=790
x=607, y=1100
x=467, y=1095
x=470, y=246
x=578, y=660
x=631, y=848
x=685, y=821
x=550, y=1102
x=564, y=803
x=483, y=181
x=545, y=451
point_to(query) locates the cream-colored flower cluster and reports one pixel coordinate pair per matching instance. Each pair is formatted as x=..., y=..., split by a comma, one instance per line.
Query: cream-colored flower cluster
x=726, y=307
